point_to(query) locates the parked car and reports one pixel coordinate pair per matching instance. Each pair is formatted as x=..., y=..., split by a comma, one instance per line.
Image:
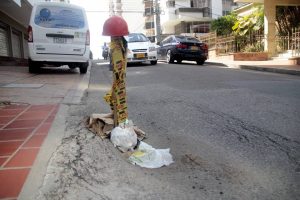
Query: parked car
x=178, y=47
x=140, y=49
x=58, y=34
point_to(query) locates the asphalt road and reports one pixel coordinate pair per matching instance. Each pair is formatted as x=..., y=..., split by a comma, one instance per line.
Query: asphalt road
x=233, y=134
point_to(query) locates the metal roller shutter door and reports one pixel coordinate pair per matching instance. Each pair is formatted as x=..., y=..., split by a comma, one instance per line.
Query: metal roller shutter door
x=4, y=47
x=16, y=44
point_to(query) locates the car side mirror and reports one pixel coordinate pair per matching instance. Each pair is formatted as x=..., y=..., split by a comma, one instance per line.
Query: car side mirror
x=158, y=43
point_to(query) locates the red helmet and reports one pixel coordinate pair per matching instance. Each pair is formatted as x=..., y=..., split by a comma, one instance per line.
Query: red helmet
x=115, y=26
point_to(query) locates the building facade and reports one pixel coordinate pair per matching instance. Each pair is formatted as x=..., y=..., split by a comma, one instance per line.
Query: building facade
x=270, y=20
x=192, y=16
x=14, y=20
x=149, y=17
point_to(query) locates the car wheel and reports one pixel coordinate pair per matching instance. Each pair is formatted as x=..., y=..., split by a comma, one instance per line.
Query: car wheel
x=200, y=62
x=179, y=61
x=83, y=68
x=153, y=62
x=170, y=58
x=33, y=66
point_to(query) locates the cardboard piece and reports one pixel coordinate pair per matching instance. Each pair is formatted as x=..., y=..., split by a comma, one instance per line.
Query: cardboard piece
x=102, y=125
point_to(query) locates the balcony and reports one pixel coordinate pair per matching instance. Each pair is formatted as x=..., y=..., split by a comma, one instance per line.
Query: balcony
x=249, y=1
x=191, y=14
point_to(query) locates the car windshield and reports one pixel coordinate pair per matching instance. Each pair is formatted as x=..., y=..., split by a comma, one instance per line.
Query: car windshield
x=186, y=39
x=136, y=37
x=59, y=17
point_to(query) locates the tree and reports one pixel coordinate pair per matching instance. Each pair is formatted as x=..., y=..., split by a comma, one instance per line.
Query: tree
x=251, y=22
x=287, y=18
x=223, y=25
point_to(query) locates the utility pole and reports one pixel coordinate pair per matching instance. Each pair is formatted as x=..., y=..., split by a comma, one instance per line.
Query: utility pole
x=111, y=8
x=119, y=10
x=115, y=8
x=158, y=28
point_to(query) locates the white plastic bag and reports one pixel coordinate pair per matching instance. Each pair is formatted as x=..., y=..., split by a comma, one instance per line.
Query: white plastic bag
x=123, y=138
x=149, y=157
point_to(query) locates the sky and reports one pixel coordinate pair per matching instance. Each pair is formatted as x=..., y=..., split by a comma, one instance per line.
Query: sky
x=97, y=13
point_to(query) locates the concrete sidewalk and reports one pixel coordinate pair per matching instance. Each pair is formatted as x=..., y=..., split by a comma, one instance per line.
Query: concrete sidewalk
x=275, y=66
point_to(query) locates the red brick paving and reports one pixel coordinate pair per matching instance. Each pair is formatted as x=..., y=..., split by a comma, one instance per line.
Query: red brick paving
x=43, y=129
x=10, y=112
x=31, y=123
x=23, y=158
x=35, y=141
x=12, y=181
x=23, y=129
x=2, y=160
x=7, y=148
x=5, y=120
x=15, y=134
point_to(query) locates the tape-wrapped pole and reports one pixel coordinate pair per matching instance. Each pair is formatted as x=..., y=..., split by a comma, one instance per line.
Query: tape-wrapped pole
x=117, y=96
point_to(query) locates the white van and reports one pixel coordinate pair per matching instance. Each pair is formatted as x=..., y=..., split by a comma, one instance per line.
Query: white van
x=58, y=34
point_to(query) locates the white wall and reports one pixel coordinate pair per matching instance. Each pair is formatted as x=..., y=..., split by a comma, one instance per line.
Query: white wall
x=216, y=8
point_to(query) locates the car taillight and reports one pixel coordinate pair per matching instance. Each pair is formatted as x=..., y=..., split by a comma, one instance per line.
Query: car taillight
x=204, y=47
x=30, y=34
x=181, y=46
x=87, y=41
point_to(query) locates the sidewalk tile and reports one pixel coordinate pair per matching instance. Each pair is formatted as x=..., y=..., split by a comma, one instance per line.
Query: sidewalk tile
x=5, y=120
x=50, y=119
x=44, y=129
x=2, y=160
x=16, y=107
x=15, y=134
x=7, y=148
x=12, y=181
x=10, y=112
x=23, y=158
x=33, y=115
x=24, y=124
x=35, y=141
x=41, y=107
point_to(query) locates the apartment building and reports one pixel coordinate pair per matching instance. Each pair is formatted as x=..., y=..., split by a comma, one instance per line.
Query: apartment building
x=149, y=16
x=191, y=16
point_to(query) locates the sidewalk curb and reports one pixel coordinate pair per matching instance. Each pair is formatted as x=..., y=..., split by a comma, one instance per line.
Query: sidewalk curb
x=273, y=70
x=53, y=140
x=75, y=94
x=216, y=63
x=38, y=171
x=257, y=68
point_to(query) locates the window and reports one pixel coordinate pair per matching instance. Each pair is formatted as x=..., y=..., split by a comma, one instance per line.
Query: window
x=136, y=37
x=149, y=25
x=186, y=39
x=226, y=12
x=149, y=11
x=170, y=3
x=201, y=3
x=59, y=17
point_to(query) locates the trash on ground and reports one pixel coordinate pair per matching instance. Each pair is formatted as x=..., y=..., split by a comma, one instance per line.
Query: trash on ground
x=128, y=138
x=123, y=138
x=149, y=157
x=102, y=124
